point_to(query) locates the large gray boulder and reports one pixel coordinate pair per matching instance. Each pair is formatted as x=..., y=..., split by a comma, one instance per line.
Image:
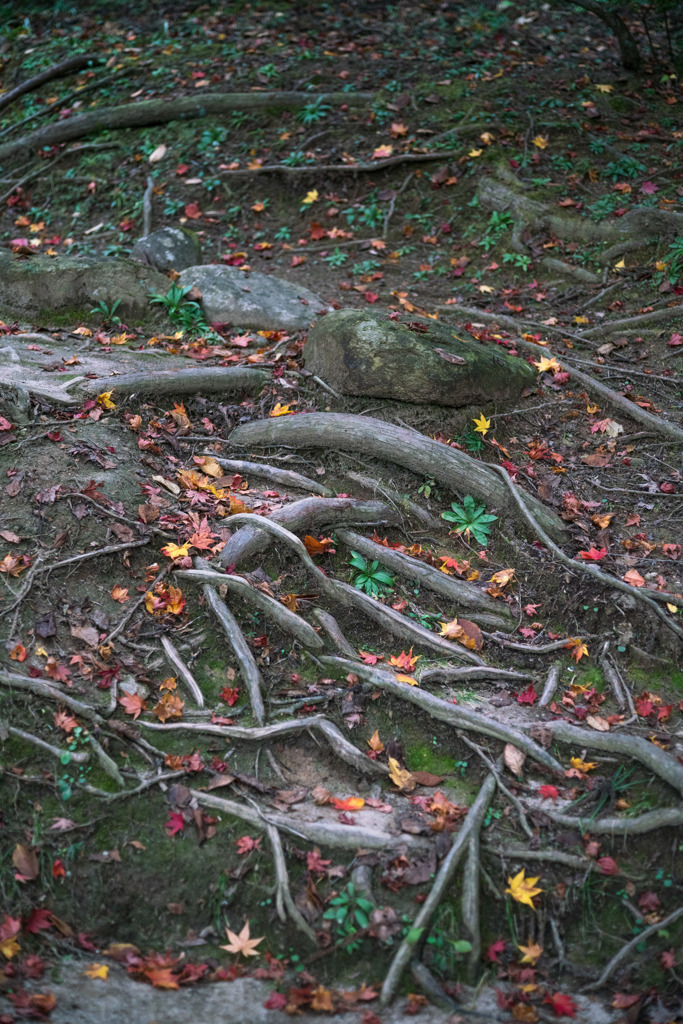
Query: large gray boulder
x=411, y=359
x=59, y=289
x=258, y=301
x=168, y=249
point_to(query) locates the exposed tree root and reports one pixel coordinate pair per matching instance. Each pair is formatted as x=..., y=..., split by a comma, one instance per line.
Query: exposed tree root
x=570, y=860
x=340, y=746
x=451, y=673
x=77, y=756
x=304, y=515
x=272, y=609
x=613, y=398
x=183, y=671
x=206, y=379
x=453, y=714
x=635, y=322
x=271, y=526
x=657, y=760
x=333, y=630
x=626, y=950
x=496, y=769
x=405, y=629
x=402, y=504
x=66, y=67
x=551, y=684
x=469, y=827
x=284, y=902
x=180, y=108
x=431, y=988
x=649, y=599
x=15, y=681
x=651, y=821
x=287, y=477
x=469, y=905
x=406, y=447
x=123, y=622
x=247, y=663
x=476, y=604
x=323, y=833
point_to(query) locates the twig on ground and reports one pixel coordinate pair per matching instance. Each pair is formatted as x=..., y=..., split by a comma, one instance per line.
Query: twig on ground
x=287, y=537
x=470, y=825
x=284, y=902
x=183, y=671
x=501, y=785
x=271, y=473
x=106, y=762
x=78, y=756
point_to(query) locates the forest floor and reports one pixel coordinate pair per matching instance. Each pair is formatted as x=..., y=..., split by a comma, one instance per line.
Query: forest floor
x=146, y=824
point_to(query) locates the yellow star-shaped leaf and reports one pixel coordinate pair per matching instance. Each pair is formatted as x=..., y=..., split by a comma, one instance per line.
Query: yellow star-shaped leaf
x=105, y=400
x=176, y=550
x=544, y=365
x=605, y=88
x=532, y=953
x=523, y=889
x=482, y=425
x=242, y=943
x=97, y=971
x=310, y=197
x=583, y=766
x=541, y=141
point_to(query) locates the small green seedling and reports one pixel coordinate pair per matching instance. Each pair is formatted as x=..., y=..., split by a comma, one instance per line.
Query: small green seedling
x=370, y=578
x=107, y=312
x=470, y=519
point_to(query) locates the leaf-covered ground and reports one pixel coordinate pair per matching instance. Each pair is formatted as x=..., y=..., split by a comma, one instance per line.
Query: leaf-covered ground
x=577, y=852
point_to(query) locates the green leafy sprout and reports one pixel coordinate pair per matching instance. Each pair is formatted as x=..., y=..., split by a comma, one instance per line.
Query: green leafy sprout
x=369, y=577
x=470, y=519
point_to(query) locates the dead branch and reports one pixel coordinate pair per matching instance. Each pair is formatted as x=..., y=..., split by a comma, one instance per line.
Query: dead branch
x=405, y=629
x=183, y=671
x=478, y=605
x=247, y=663
x=404, y=446
x=66, y=67
x=591, y=570
x=626, y=950
x=273, y=474
x=453, y=714
x=470, y=826
x=272, y=609
x=307, y=514
x=161, y=111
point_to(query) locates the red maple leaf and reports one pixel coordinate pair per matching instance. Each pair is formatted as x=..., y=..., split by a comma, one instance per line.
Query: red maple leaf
x=608, y=866
x=230, y=694
x=275, y=1001
x=563, y=1005
x=175, y=824
x=245, y=844
x=528, y=696
x=667, y=959
x=593, y=555
x=548, y=792
x=494, y=949
x=370, y=659
x=132, y=704
x=315, y=862
x=38, y=920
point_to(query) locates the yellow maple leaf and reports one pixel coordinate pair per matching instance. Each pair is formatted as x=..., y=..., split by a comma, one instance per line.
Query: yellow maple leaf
x=503, y=577
x=660, y=265
x=621, y=265
x=605, y=88
x=9, y=947
x=176, y=551
x=487, y=138
x=543, y=365
x=401, y=777
x=486, y=289
x=407, y=679
x=541, y=141
x=242, y=943
x=281, y=410
x=97, y=971
x=475, y=152
x=119, y=339
x=583, y=766
x=523, y=889
x=375, y=742
x=580, y=319
x=451, y=630
x=382, y=152
x=482, y=425
x=310, y=197
x=105, y=400
x=532, y=953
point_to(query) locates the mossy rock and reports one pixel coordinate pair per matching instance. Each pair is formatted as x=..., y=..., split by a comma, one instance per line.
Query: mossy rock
x=411, y=360
x=44, y=287
x=170, y=248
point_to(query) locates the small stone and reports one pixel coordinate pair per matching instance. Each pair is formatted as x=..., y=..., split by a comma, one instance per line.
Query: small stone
x=168, y=249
